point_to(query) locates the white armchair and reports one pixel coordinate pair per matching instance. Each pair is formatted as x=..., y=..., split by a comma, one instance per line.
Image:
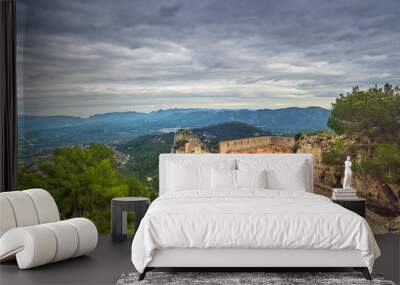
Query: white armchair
x=31, y=230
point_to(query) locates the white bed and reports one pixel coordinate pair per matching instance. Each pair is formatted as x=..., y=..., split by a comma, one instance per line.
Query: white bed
x=232, y=226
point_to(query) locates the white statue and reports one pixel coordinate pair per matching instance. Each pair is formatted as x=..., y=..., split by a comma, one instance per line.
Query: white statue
x=347, y=174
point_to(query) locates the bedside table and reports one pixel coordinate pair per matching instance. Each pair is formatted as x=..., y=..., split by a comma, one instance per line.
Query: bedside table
x=355, y=205
x=119, y=213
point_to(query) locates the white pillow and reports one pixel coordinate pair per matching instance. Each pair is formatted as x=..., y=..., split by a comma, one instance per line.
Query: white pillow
x=251, y=178
x=185, y=173
x=282, y=174
x=183, y=177
x=293, y=180
x=223, y=179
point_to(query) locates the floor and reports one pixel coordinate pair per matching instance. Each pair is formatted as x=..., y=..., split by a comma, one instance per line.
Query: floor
x=104, y=266
x=389, y=263
x=110, y=260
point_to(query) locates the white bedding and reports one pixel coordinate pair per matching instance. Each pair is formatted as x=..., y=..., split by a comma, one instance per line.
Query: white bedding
x=252, y=218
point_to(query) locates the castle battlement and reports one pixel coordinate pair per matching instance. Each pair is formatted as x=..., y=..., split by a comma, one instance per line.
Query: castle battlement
x=262, y=144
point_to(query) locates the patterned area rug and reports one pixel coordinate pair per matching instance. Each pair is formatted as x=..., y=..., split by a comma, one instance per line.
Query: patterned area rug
x=273, y=278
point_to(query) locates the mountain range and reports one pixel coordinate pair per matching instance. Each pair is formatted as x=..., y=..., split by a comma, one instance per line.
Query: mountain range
x=114, y=128
x=285, y=120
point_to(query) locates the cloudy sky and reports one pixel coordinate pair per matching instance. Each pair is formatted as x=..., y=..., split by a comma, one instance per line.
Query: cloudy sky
x=81, y=57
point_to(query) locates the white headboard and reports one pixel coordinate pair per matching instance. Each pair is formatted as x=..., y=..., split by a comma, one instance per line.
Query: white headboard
x=212, y=157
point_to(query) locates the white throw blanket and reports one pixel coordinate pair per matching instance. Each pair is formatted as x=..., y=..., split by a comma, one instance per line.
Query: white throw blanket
x=250, y=219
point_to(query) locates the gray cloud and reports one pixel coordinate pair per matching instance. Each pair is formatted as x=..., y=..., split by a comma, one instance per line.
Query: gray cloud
x=82, y=57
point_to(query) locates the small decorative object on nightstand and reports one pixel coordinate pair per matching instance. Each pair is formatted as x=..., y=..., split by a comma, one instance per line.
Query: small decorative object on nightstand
x=344, y=194
x=357, y=205
x=119, y=214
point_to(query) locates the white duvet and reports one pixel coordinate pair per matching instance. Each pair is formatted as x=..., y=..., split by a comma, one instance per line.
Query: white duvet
x=250, y=219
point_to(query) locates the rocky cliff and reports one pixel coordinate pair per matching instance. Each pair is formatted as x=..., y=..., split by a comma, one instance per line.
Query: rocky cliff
x=186, y=142
x=380, y=201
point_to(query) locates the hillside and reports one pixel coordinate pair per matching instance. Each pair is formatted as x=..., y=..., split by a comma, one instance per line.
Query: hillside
x=211, y=135
x=143, y=153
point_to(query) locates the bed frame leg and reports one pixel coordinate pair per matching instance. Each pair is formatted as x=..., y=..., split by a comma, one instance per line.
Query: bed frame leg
x=364, y=271
x=143, y=274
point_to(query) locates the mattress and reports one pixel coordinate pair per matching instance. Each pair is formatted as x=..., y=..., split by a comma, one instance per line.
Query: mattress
x=250, y=219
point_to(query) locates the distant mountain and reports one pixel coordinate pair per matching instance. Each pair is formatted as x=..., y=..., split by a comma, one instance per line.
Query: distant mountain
x=285, y=120
x=116, y=117
x=32, y=123
x=114, y=128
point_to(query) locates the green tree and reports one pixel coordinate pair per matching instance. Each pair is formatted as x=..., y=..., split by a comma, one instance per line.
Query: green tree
x=384, y=167
x=137, y=188
x=83, y=181
x=370, y=119
x=369, y=116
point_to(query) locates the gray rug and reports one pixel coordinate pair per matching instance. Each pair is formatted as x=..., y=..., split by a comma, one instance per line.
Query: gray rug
x=228, y=278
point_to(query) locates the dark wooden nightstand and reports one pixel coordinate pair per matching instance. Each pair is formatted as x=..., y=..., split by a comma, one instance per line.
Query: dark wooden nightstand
x=355, y=205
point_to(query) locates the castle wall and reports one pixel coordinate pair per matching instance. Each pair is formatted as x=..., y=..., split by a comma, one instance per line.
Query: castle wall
x=263, y=144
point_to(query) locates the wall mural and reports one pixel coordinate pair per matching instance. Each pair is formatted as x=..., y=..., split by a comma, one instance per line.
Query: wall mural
x=104, y=87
